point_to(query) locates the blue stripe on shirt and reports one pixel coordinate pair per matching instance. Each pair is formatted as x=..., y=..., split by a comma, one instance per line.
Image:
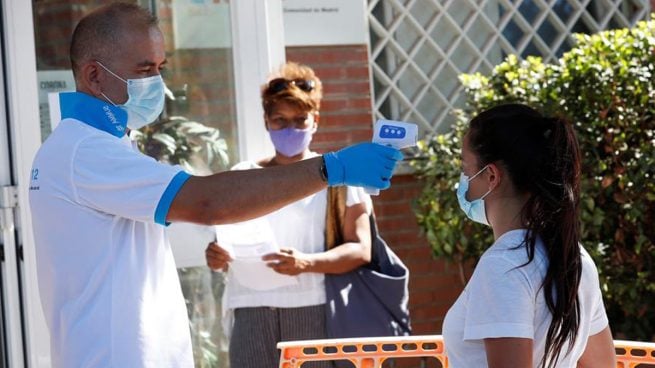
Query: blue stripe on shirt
x=167, y=198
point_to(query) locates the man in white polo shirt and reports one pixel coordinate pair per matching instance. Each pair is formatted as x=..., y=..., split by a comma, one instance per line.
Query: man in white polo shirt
x=107, y=277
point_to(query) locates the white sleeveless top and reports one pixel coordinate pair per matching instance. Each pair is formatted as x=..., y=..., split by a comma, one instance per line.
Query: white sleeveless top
x=299, y=225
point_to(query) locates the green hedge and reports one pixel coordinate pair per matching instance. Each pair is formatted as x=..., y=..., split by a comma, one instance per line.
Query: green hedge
x=606, y=86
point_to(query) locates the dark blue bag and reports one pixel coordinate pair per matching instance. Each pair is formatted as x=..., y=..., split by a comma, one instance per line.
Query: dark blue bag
x=371, y=300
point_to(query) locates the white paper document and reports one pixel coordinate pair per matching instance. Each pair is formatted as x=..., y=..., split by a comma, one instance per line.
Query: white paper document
x=247, y=242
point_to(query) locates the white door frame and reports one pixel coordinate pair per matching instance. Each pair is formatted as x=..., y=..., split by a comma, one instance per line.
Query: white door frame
x=258, y=46
x=9, y=280
x=25, y=133
x=258, y=29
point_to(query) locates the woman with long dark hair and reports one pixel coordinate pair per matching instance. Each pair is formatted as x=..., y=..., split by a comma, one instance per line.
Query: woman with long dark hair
x=534, y=299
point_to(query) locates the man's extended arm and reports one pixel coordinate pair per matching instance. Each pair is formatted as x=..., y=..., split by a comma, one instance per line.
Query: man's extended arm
x=241, y=195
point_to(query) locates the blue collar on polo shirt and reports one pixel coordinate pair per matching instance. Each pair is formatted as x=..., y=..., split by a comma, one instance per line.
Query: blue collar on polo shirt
x=92, y=111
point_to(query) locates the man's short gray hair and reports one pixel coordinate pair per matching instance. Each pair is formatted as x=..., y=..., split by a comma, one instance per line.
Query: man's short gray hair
x=99, y=34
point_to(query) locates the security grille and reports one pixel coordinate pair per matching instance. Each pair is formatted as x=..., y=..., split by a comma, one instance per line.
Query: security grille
x=420, y=47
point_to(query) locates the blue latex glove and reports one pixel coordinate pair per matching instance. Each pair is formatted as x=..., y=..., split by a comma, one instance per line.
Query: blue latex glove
x=362, y=165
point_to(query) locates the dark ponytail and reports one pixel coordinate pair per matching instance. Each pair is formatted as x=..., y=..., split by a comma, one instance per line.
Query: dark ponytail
x=542, y=158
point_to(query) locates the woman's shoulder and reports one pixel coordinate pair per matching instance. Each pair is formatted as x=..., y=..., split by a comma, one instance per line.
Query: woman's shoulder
x=511, y=247
x=511, y=243
x=356, y=195
x=589, y=269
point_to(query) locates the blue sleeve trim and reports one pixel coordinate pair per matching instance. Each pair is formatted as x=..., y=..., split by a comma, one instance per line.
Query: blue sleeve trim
x=167, y=198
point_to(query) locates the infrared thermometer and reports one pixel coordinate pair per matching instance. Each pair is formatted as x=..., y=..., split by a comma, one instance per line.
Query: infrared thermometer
x=397, y=134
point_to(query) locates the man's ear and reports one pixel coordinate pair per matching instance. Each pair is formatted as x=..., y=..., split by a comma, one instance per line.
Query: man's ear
x=88, y=79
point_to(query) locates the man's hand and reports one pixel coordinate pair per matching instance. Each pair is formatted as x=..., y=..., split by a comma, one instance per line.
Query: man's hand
x=288, y=262
x=217, y=257
x=363, y=165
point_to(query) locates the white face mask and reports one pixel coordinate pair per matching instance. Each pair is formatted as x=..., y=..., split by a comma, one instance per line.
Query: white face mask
x=475, y=209
x=145, y=99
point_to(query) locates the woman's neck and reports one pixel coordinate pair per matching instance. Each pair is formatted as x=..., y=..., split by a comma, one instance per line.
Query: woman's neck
x=505, y=214
x=280, y=159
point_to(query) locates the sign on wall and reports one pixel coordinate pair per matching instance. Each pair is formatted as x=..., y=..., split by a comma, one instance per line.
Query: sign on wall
x=51, y=81
x=324, y=22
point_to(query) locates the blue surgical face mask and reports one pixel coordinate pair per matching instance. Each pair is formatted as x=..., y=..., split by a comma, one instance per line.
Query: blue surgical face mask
x=291, y=141
x=145, y=99
x=475, y=209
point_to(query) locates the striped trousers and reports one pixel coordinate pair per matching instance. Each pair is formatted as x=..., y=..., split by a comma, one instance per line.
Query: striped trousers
x=257, y=331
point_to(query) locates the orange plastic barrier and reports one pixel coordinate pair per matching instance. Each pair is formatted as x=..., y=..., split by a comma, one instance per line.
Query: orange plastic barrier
x=362, y=352
x=631, y=354
x=372, y=352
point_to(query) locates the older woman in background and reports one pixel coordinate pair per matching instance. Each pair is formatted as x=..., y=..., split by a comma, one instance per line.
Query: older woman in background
x=262, y=318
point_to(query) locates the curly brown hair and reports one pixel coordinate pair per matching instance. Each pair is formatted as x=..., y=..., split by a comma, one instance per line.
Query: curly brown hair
x=293, y=94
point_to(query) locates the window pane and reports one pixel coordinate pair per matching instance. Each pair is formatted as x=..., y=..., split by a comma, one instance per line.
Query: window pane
x=419, y=48
x=201, y=78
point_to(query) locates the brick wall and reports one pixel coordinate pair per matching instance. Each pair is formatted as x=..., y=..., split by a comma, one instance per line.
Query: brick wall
x=434, y=284
x=346, y=117
x=346, y=106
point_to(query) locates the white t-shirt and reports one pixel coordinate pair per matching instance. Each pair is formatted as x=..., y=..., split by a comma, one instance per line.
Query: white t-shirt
x=300, y=225
x=108, y=282
x=503, y=299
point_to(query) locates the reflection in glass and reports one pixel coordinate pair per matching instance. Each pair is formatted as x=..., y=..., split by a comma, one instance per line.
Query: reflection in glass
x=200, y=74
x=202, y=292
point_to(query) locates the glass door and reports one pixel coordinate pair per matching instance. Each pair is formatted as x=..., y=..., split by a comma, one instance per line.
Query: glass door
x=197, y=129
